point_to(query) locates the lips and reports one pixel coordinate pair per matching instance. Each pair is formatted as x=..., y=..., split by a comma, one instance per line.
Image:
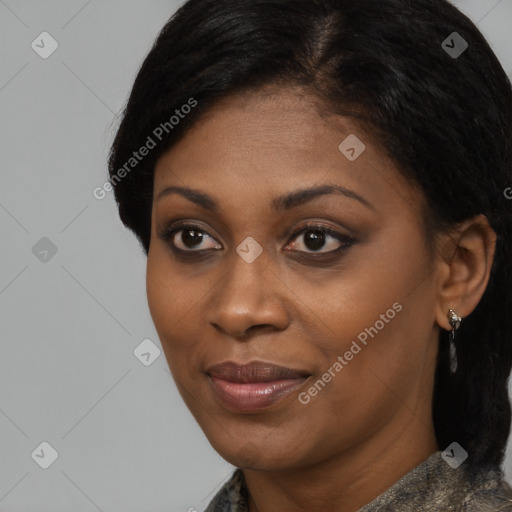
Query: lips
x=254, y=372
x=253, y=386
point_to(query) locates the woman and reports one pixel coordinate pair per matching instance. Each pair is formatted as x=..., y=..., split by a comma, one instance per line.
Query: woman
x=320, y=187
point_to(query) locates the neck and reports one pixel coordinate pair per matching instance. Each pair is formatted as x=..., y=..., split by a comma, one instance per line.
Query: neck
x=348, y=480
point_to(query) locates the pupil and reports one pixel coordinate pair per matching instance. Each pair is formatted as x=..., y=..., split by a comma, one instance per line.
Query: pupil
x=314, y=240
x=191, y=237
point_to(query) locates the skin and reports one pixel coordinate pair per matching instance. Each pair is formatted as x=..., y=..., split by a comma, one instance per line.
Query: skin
x=371, y=423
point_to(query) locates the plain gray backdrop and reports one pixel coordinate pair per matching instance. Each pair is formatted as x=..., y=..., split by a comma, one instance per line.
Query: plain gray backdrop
x=72, y=280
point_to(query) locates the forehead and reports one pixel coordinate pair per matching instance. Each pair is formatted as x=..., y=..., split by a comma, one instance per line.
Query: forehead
x=258, y=145
x=266, y=128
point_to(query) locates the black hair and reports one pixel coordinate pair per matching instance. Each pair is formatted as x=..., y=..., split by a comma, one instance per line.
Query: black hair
x=445, y=120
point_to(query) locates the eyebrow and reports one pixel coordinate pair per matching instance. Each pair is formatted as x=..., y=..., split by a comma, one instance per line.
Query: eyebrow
x=281, y=203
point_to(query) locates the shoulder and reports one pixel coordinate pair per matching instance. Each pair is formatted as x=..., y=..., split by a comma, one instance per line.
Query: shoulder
x=490, y=494
x=232, y=497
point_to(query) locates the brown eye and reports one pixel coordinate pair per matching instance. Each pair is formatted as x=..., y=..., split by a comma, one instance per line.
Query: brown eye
x=191, y=238
x=311, y=239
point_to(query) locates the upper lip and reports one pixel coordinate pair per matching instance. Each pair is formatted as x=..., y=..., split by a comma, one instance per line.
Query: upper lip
x=255, y=371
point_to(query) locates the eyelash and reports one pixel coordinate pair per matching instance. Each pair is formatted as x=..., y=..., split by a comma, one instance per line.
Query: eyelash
x=346, y=241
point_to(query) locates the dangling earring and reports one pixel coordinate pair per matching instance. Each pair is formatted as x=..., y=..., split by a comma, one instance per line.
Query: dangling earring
x=455, y=321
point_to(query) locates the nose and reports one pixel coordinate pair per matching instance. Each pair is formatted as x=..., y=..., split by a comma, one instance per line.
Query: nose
x=250, y=298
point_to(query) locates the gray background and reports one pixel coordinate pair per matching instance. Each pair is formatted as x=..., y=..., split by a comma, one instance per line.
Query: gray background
x=70, y=321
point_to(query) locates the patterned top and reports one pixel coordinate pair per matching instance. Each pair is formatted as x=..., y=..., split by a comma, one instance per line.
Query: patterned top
x=432, y=486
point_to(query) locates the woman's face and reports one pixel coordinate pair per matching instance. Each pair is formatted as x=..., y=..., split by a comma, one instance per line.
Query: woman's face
x=253, y=278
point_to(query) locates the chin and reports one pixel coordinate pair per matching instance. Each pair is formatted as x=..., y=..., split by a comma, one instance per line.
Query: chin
x=257, y=454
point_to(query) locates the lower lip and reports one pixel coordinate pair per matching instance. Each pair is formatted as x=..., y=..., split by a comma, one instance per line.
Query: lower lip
x=253, y=396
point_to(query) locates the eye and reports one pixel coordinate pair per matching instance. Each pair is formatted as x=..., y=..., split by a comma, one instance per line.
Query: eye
x=315, y=237
x=190, y=238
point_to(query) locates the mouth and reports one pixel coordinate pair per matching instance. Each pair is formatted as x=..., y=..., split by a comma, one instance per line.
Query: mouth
x=254, y=386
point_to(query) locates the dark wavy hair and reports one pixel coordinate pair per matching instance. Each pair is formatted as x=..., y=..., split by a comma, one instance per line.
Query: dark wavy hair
x=446, y=122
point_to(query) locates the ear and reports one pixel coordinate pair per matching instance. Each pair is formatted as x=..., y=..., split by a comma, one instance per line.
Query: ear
x=466, y=257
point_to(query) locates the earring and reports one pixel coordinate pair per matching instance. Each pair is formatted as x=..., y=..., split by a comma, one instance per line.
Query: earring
x=455, y=321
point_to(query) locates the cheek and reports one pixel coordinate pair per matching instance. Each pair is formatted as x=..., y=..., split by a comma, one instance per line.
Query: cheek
x=159, y=290
x=350, y=300
x=176, y=302
x=171, y=305
x=171, y=299
x=377, y=314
